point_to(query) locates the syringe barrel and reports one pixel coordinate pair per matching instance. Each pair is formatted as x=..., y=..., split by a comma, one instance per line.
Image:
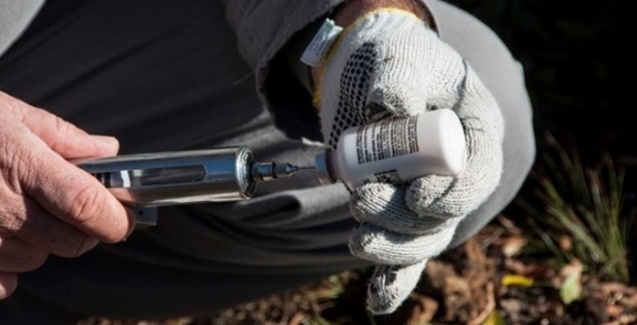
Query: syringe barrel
x=181, y=177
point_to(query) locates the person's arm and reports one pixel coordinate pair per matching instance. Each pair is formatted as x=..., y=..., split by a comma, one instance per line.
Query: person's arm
x=48, y=205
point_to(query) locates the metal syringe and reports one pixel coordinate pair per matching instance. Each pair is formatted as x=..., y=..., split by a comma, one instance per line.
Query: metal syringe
x=392, y=150
x=147, y=181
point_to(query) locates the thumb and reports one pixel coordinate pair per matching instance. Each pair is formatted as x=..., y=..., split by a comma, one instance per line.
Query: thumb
x=390, y=285
x=63, y=137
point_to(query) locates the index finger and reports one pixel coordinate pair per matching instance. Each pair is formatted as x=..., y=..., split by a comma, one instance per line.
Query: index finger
x=61, y=136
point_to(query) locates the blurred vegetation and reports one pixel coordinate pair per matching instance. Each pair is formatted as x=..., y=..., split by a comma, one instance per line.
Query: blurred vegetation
x=582, y=213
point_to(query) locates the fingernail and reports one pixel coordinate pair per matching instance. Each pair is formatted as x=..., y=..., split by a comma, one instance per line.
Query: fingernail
x=105, y=140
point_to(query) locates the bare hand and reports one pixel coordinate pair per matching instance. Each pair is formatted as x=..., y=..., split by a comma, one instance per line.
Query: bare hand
x=48, y=205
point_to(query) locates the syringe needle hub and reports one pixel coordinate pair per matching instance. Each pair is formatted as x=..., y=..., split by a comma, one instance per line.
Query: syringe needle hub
x=267, y=171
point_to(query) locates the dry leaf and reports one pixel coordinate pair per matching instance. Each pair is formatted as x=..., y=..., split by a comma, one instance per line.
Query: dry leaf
x=423, y=311
x=512, y=246
x=571, y=287
x=516, y=280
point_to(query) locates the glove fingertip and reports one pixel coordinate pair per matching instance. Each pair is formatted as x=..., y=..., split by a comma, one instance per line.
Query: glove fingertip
x=430, y=196
x=372, y=199
x=391, y=285
x=380, y=303
x=355, y=242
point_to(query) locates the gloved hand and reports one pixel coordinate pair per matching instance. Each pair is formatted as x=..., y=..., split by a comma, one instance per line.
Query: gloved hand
x=388, y=63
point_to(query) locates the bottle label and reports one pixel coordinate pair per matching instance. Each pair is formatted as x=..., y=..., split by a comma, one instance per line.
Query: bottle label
x=386, y=139
x=390, y=176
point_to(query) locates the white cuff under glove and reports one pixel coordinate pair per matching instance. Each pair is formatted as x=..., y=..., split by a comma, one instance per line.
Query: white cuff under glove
x=388, y=63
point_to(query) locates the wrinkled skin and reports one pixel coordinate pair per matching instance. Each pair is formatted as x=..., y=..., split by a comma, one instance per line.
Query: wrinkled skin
x=48, y=205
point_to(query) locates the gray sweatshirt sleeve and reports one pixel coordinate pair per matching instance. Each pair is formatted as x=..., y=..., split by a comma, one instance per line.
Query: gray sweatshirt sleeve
x=271, y=35
x=264, y=28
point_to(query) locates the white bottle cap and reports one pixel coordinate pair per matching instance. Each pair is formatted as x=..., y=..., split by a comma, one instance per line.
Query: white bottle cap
x=447, y=131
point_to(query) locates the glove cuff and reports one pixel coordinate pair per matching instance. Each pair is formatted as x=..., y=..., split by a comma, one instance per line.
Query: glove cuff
x=367, y=24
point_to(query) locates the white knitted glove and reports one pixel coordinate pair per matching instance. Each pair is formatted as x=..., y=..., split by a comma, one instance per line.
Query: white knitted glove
x=388, y=63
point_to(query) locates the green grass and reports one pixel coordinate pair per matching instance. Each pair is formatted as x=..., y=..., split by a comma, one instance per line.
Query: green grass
x=585, y=204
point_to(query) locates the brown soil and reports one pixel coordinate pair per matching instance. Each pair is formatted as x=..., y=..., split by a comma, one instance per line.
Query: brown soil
x=484, y=281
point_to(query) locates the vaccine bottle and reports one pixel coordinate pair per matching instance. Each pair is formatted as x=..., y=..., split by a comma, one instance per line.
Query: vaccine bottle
x=396, y=150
